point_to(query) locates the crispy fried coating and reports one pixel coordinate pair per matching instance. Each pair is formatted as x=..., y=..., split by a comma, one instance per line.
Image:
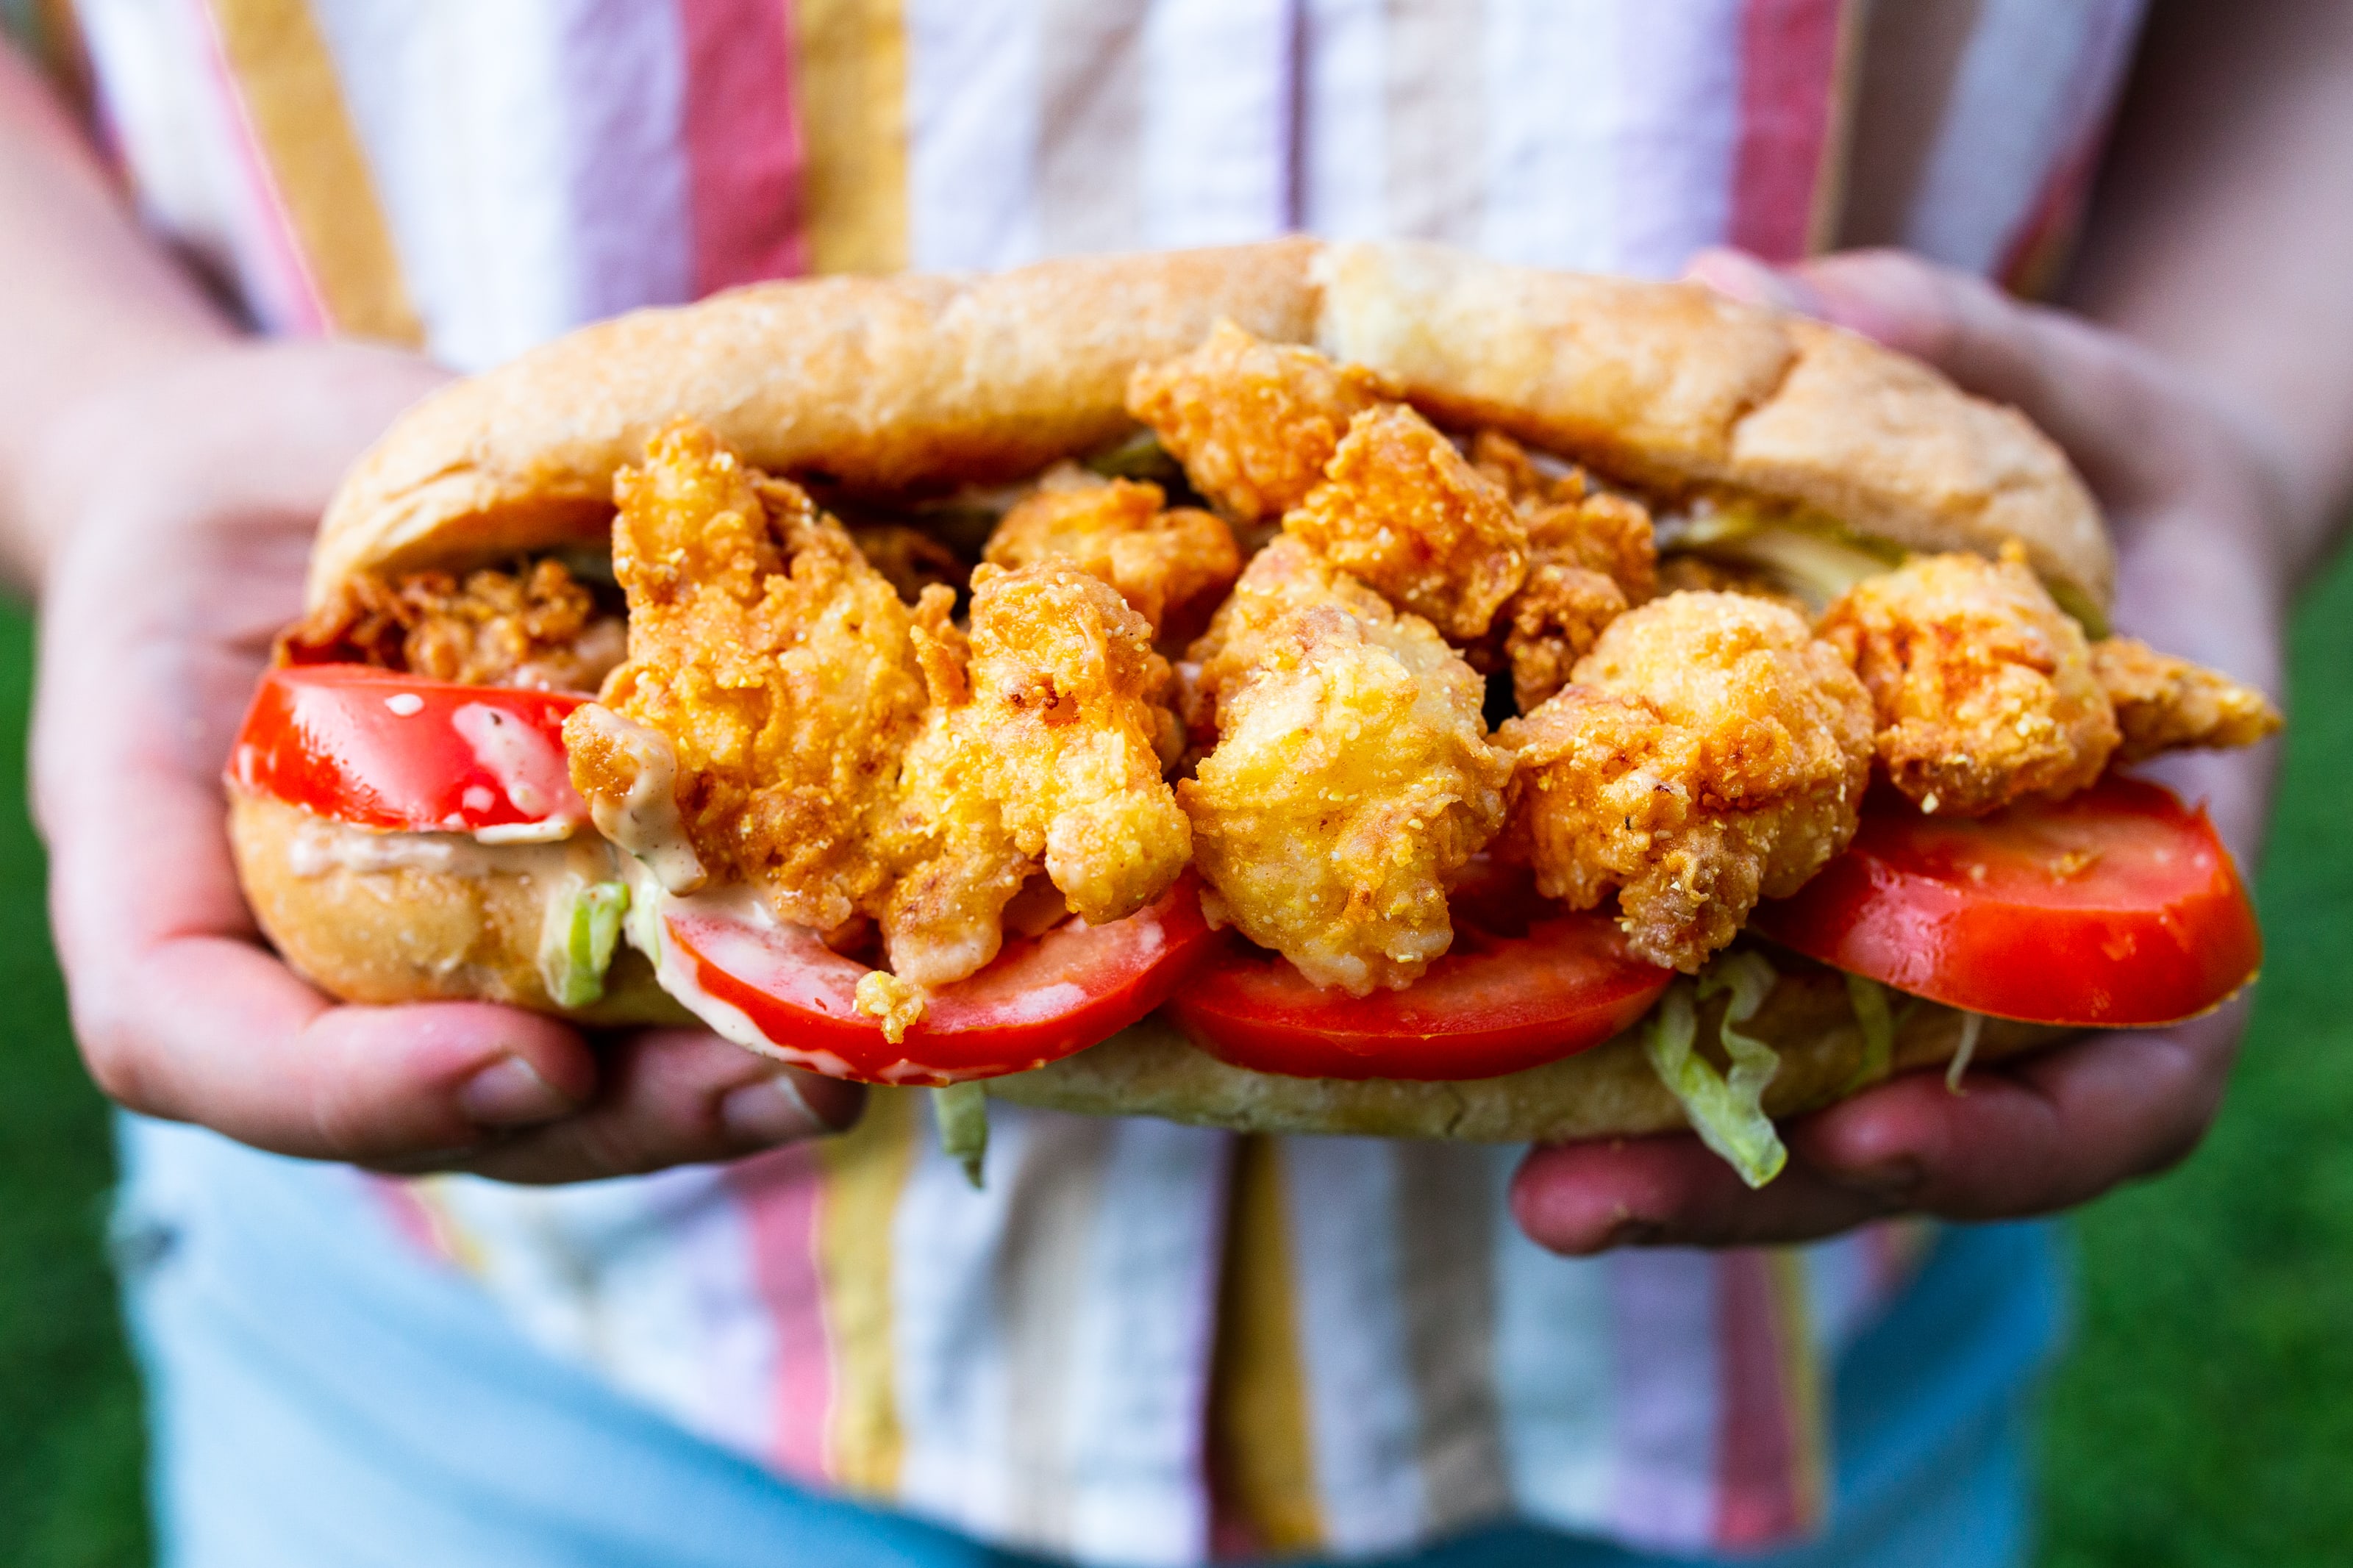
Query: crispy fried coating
x=1400, y=509
x=1590, y=556
x=1689, y=574
x=1039, y=751
x=1983, y=687
x=1170, y=565
x=910, y=558
x=2163, y=703
x=539, y=629
x=1253, y=423
x=1352, y=774
x=1709, y=752
x=779, y=665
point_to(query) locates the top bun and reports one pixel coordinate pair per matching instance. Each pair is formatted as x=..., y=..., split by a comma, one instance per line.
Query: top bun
x=911, y=384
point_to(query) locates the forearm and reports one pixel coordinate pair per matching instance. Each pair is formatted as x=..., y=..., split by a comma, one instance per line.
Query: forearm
x=2222, y=237
x=87, y=303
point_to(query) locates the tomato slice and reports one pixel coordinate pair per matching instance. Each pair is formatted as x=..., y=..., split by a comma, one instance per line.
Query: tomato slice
x=1525, y=983
x=2115, y=907
x=385, y=750
x=1041, y=999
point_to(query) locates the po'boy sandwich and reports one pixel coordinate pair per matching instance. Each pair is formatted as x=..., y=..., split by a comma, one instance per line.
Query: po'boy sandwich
x=1301, y=687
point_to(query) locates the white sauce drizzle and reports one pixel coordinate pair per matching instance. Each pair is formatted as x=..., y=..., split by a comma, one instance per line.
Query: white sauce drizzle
x=320, y=846
x=645, y=821
x=528, y=766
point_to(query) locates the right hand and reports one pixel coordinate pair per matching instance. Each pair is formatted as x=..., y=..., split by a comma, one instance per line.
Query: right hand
x=184, y=509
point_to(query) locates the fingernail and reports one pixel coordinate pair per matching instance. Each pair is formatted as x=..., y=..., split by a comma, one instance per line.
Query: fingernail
x=510, y=1093
x=1632, y=1233
x=769, y=1111
x=1890, y=1180
x=1743, y=277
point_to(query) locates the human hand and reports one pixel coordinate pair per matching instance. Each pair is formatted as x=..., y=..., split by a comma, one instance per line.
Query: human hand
x=2203, y=509
x=184, y=509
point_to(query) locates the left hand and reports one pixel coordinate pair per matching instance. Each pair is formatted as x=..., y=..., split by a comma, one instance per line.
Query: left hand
x=2201, y=508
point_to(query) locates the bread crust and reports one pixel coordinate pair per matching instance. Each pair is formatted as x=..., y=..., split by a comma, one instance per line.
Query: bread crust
x=1609, y=1091
x=410, y=933
x=914, y=382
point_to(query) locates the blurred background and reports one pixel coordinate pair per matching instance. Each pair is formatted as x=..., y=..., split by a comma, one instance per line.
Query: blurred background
x=2203, y=1417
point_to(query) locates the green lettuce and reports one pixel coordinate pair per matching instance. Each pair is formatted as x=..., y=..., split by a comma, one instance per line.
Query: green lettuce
x=1726, y=1109
x=1878, y=1027
x=577, y=943
x=962, y=1111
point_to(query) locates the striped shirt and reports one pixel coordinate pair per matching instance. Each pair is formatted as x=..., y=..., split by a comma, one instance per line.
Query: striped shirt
x=1143, y=1342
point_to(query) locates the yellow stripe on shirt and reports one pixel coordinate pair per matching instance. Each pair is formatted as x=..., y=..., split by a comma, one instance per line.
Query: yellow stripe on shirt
x=852, y=62
x=865, y=1171
x=1264, y=1463
x=1801, y=1380
x=286, y=79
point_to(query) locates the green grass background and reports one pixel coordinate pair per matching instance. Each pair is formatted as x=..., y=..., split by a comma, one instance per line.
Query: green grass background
x=2205, y=1416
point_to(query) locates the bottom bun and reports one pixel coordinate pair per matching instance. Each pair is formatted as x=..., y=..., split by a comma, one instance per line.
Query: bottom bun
x=416, y=917
x=1609, y=1091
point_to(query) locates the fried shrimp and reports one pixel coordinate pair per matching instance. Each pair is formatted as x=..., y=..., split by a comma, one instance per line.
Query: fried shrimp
x=1252, y=422
x=1710, y=752
x=538, y=628
x=778, y=666
x=1352, y=774
x=2163, y=703
x=1402, y=511
x=1984, y=688
x=1040, y=752
x=1170, y=565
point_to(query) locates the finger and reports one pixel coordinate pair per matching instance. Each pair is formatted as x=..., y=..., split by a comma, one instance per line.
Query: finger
x=1584, y=1198
x=2042, y=1133
x=215, y=1030
x=675, y=1096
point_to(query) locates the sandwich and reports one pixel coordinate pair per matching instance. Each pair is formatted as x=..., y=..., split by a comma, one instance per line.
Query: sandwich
x=1304, y=688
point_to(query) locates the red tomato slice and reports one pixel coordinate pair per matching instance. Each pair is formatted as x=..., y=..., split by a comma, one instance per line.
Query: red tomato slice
x=1524, y=984
x=1042, y=999
x=385, y=750
x=2115, y=907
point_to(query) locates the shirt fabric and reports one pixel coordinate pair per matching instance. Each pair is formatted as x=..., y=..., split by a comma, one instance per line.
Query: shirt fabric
x=315, y=1398
x=1349, y=1335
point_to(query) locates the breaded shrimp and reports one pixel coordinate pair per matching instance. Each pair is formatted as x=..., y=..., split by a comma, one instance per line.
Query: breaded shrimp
x=2163, y=703
x=1351, y=778
x=1252, y=422
x=1710, y=752
x=1983, y=687
x=1171, y=566
x=1040, y=752
x=1400, y=509
x=776, y=664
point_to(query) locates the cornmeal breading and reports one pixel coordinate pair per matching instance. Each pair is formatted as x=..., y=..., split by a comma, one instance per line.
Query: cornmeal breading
x=1039, y=751
x=1710, y=752
x=910, y=558
x=2163, y=703
x=539, y=628
x=1352, y=774
x=1590, y=557
x=1252, y=422
x=779, y=665
x=1403, y=511
x=1983, y=687
x=1171, y=566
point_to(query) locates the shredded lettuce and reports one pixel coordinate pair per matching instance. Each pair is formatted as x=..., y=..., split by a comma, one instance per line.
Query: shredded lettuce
x=577, y=942
x=1970, y=1024
x=962, y=1111
x=1878, y=1027
x=1727, y=1111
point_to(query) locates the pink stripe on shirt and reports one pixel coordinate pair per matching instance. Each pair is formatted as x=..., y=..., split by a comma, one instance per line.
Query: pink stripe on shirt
x=743, y=135
x=780, y=1193
x=1789, y=95
x=1756, y=1500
